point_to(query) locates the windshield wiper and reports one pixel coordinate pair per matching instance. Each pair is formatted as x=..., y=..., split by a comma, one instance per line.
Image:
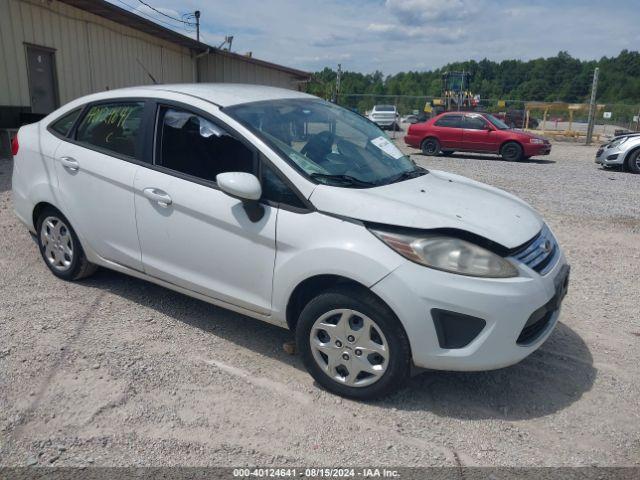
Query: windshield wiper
x=345, y=179
x=418, y=172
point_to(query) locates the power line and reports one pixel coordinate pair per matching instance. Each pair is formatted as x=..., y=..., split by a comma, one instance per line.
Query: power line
x=164, y=14
x=136, y=11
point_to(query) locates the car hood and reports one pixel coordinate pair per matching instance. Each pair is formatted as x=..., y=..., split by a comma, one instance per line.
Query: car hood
x=524, y=134
x=436, y=200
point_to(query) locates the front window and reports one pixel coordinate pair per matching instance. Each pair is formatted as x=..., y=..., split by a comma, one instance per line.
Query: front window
x=193, y=145
x=327, y=143
x=499, y=124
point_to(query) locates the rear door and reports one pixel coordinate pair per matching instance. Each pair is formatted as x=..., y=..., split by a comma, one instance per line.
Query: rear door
x=448, y=130
x=95, y=170
x=478, y=135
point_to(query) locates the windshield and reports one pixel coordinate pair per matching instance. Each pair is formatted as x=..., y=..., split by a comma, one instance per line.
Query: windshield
x=499, y=124
x=327, y=143
x=384, y=108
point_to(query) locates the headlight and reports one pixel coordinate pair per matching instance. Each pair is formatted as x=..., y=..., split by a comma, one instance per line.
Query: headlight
x=536, y=140
x=449, y=254
x=618, y=142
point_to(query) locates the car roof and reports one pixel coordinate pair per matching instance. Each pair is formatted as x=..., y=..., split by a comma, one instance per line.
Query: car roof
x=221, y=94
x=461, y=112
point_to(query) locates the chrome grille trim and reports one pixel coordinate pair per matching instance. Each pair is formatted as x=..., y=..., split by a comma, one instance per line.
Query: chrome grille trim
x=541, y=254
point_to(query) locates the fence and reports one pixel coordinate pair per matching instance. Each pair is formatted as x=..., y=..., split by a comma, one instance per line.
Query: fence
x=559, y=120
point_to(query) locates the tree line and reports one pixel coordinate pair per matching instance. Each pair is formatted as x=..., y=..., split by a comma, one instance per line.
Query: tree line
x=560, y=78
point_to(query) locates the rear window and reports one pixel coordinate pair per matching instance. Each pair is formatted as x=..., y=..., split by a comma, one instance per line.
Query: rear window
x=451, y=121
x=384, y=108
x=114, y=127
x=63, y=124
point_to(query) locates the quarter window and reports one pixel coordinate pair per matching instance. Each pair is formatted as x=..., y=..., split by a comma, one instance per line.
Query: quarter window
x=450, y=121
x=114, y=127
x=193, y=145
x=64, y=124
x=276, y=190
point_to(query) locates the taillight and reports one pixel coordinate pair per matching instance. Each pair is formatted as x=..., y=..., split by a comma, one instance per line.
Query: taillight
x=14, y=145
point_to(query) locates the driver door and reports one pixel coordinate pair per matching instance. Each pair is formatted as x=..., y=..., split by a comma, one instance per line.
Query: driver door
x=191, y=233
x=478, y=135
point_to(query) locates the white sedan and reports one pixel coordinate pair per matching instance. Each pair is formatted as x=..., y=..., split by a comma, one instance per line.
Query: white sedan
x=295, y=211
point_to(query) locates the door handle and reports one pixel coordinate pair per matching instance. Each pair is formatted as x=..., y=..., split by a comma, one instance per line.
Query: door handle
x=158, y=196
x=70, y=163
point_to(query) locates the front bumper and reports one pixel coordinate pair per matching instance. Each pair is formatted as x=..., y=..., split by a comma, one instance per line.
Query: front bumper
x=609, y=156
x=506, y=305
x=535, y=149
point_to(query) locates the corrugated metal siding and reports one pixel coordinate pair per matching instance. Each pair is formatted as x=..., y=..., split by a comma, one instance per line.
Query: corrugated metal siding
x=217, y=67
x=92, y=53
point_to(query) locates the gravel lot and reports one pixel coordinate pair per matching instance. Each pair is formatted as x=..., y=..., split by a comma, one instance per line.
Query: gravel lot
x=116, y=371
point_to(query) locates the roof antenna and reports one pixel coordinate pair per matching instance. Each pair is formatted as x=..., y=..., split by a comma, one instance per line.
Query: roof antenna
x=155, y=82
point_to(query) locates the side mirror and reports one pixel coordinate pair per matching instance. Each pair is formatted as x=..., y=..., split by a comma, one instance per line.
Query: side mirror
x=241, y=185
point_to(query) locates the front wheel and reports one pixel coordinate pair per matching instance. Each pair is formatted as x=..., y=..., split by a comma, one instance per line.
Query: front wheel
x=352, y=344
x=511, y=152
x=634, y=162
x=430, y=146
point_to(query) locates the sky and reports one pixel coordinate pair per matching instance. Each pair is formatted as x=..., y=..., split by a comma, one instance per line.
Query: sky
x=403, y=35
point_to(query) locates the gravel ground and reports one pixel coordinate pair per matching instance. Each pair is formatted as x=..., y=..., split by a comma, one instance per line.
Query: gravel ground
x=116, y=371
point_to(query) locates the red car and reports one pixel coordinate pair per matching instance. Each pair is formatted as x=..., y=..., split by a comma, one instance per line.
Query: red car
x=474, y=132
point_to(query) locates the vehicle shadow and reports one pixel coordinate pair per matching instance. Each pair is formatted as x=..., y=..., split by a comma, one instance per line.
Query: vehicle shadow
x=488, y=157
x=6, y=169
x=549, y=380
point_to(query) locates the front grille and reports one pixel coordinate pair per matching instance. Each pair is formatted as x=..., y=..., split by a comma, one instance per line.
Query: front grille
x=540, y=253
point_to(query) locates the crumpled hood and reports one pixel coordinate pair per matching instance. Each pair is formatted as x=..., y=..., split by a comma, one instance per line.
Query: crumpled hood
x=436, y=200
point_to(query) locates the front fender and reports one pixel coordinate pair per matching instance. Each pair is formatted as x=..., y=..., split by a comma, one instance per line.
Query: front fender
x=317, y=244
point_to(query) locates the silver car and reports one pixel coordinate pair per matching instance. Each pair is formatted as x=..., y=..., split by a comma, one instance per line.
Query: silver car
x=622, y=151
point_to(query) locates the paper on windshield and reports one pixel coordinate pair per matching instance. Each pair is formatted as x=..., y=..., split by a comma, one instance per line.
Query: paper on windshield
x=387, y=147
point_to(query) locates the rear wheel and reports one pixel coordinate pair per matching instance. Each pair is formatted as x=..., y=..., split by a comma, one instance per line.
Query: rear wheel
x=430, y=146
x=60, y=247
x=634, y=162
x=511, y=152
x=352, y=344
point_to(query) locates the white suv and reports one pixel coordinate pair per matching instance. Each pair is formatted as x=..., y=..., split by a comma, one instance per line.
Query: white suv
x=298, y=212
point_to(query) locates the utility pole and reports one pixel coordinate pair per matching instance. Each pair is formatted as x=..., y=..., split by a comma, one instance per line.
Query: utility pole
x=337, y=90
x=592, y=106
x=197, y=15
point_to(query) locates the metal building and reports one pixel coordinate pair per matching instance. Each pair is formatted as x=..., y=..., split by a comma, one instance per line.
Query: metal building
x=52, y=51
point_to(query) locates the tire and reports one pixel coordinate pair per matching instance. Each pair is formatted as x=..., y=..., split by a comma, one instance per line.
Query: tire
x=430, y=146
x=363, y=375
x=633, y=164
x=511, y=152
x=60, y=247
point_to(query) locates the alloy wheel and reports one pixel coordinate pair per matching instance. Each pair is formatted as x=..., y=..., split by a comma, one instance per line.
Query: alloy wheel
x=57, y=243
x=349, y=347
